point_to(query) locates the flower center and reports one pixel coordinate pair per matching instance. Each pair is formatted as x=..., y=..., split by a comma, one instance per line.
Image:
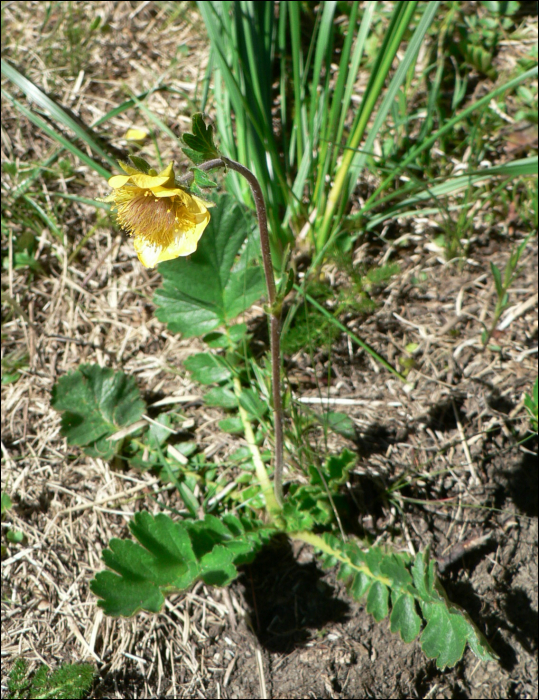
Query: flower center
x=158, y=220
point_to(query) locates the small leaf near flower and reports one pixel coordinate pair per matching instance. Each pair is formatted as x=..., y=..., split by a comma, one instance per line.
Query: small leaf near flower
x=165, y=220
x=200, y=143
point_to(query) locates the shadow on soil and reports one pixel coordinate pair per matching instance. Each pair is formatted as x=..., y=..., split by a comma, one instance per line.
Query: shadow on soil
x=288, y=600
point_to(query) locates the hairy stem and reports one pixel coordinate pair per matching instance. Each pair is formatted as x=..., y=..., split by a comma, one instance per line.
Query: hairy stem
x=274, y=308
x=275, y=322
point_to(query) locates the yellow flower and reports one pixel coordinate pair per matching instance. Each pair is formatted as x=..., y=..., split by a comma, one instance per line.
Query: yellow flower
x=165, y=220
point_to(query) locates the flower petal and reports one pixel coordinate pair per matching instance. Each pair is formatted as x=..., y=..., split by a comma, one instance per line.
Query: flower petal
x=203, y=204
x=147, y=182
x=117, y=181
x=168, y=172
x=171, y=192
x=184, y=243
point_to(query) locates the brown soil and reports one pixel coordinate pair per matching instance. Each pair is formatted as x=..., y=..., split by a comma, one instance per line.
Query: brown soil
x=286, y=628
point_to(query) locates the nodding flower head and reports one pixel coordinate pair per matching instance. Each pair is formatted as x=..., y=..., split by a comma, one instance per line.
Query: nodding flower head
x=165, y=220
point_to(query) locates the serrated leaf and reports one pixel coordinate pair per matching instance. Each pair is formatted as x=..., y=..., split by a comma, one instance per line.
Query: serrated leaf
x=208, y=290
x=444, y=637
x=200, y=142
x=335, y=470
x=96, y=402
x=307, y=504
x=221, y=397
x=173, y=555
x=217, y=567
x=123, y=598
x=404, y=618
x=296, y=518
x=338, y=466
x=395, y=569
x=206, y=368
x=196, y=157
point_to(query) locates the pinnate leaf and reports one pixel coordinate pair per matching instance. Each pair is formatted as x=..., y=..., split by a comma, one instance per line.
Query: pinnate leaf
x=170, y=556
x=414, y=585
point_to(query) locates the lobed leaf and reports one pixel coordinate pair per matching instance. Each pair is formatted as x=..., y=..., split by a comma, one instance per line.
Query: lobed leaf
x=170, y=556
x=208, y=290
x=95, y=403
x=200, y=143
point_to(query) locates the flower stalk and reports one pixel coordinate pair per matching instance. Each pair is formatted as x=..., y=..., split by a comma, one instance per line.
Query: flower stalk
x=274, y=309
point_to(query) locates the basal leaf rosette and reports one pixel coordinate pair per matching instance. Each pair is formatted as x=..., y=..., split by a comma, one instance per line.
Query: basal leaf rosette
x=165, y=220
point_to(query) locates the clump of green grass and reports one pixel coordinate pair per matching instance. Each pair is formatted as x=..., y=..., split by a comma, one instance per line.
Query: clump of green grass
x=310, y=330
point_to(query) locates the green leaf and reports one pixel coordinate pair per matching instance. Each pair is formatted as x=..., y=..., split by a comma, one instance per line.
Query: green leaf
x=15, y=536
x=404, y=618
x=140, y=164
x=158, y=432
x=375, y=572
x=235, y=335
x=6, y=502
x=253, y=404
x=377, y=601
x=219, y=396
x=71, y=681
x=202, y=179
x=444, y=637
x=206, y=368
x=96, y=402
x=340, y=423
x=497, y=279
x=200, y=142
x=306, y=505
x=197, y=158
x=232, y=425
x=171, y=556
x=208, y=289
x=217, y=567
x=531, y=404
x=335, y=469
